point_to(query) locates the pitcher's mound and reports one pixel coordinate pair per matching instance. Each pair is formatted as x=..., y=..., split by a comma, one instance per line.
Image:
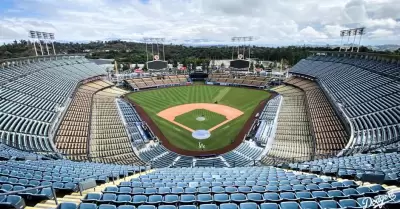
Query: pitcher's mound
x=200, y=118
x=201, y=134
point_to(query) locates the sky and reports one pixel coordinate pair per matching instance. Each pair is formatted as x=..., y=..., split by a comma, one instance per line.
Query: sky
x=270, y=22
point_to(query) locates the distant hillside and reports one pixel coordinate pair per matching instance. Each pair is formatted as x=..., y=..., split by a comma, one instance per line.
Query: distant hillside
x=133, y=52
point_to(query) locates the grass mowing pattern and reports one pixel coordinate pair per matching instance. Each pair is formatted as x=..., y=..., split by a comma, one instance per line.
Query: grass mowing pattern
x=211, y=119
x=243, y=99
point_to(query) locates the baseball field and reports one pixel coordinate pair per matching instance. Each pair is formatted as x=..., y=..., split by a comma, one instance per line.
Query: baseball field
x=199, y=117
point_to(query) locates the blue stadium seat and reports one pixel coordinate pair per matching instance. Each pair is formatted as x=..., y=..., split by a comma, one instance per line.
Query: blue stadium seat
x=187, y=199
x=309, y=205
x=164, y=190
x=289, y=205
x=221, y=198
x=350, y=204
x=329, y=204
x=87, y=206
x=139, y=199
x=352, y=193
x=272, y=197
x=288, y=196
x=107, y=206
x=123, y=199
x=204, y=198
x=238, y=198
x=248, y=205
x=12, y=201
x=259, y=189
x=177, y=190
x=126, y=207
x=269, y=206
x=321, y=195
x=91, y=197
x=154, y=199
x=208, y=206
x=217, y=189
x=67, y=205
x=171, y=199
x=166, y=207
x=228, y=206
x=337, y=194
x=146, y=207
x=124, y=190
x=231, y=189
x=255, y=197
x=304, y=196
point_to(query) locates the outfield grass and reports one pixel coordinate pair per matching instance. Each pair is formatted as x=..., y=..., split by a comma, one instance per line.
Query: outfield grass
x=189, y=119
x=242, y=99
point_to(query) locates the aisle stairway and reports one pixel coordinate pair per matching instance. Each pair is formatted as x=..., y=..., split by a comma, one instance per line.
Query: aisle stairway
x=76, y=197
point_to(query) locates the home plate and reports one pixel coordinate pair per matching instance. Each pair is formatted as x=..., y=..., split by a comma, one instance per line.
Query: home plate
x=201, y=134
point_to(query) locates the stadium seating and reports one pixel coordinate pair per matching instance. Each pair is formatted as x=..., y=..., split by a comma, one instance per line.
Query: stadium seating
x=32, y=177
x=157, y=155
x=293, y=137
x=32, y=93
x=72, y=136
x=151, y=82
x=366, y=89
x=109, y=142
x=232, y=188
x=355, y=166
x=236, y=80
x=10, y=153
x=267, y=121
x=330, y=134
x=133, y=123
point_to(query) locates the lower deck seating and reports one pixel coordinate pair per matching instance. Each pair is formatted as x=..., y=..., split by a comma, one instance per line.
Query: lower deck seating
x=330, y=134
x=73, y=133
x=293, y=138
x=109, y=142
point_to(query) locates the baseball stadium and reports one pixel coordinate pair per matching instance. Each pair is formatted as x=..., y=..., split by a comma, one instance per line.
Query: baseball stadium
x=320, y=133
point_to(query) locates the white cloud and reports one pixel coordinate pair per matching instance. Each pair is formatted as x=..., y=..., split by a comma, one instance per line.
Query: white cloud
x=272, y=22
x=380, y=33
x=311, y=33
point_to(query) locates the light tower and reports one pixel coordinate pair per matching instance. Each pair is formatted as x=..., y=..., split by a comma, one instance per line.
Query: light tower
x=351, y=32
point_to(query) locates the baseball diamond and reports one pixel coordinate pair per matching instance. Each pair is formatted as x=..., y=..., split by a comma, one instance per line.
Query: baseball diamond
x=174, y=111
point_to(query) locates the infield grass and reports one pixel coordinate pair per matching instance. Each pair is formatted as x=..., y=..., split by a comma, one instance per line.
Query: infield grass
x=189, y=119
x=154, y=101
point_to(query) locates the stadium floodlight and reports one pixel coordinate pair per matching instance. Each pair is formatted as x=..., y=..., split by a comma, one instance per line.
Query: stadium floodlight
x=51, y=35
x=32, y=35
x=46, y=37
x=352, y=32
x=42, y=36
x=155, y=42
x=243, y=39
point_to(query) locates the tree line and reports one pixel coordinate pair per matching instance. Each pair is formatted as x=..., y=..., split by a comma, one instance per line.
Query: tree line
x=133, y=52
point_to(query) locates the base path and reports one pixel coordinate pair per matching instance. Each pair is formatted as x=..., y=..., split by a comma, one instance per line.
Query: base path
x=229, y=112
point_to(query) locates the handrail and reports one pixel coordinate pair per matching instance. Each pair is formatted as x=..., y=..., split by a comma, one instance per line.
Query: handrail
x=37, y=187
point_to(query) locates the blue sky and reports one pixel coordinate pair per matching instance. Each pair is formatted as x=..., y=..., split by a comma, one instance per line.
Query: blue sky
x=271, y=22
